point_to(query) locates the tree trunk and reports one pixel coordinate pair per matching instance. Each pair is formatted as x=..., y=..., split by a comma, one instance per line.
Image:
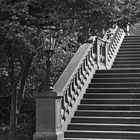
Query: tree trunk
x=25, y=72
x=13, y=118
x=16, y=99
x=13, y=122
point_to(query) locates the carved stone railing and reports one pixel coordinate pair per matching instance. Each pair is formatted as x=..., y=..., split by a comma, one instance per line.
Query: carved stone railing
x=128, y=29
x=100, y=51
x=114, y=38
x=106, y=49
x=55, y=108
x=74, y=81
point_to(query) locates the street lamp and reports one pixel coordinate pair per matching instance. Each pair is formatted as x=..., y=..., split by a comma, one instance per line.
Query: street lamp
x=48, y=40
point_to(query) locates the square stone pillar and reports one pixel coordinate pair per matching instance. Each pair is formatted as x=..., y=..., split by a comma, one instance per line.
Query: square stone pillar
x=48, y=116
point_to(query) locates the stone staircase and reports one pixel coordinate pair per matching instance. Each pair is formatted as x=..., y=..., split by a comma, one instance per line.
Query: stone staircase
x=110, y=108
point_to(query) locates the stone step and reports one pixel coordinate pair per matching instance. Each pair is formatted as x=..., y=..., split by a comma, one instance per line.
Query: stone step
x=103, y=127
x=121, y=58
x=109, y=120
x=103, y=134
x=127, y=55
x=112, y=95
x=110, y=101
x=131, y=70
x=108, y=113
x=127, y=62
x=110, y=108
x=129, y=49
x=116, y=80
x=115, y=85
x=130, y=46
x=134, y=107
x=130, y=43
x=131, y=37
x=134, y=65
x=131, y=40
x=113, y=90
x=95, y=139
x=114, y=75
x=129, y=52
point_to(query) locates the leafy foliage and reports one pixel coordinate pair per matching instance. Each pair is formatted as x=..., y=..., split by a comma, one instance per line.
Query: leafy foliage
x=128, y=11
x=135, y=29
x=22, y=60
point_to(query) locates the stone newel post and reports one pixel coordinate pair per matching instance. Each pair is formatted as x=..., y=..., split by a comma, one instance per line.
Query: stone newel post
x=48, y=116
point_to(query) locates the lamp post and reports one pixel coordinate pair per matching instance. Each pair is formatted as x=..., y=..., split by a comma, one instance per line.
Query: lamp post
x=48, y=103
x=48, y=40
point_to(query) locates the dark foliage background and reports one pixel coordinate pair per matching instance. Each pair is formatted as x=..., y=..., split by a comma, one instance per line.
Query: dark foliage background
x=22, y=60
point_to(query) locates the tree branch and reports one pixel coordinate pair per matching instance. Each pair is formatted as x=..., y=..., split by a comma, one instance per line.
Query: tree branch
x=26, y=69
x=11, y=70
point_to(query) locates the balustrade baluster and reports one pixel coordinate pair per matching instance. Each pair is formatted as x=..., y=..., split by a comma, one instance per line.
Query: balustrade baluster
x=85, y=67
x=81, y=77
x=65, y=106
x=128, y=29
x=101, y=49
x=83, y=72
x=67, y=100
x=106, y=54
x=88, y=63
x=73, y=89
x=76, y=86
x=63, y=109
x=98, y=54
x=91, y=59
x=70, y=93
x=93, y=56
x=103, y=53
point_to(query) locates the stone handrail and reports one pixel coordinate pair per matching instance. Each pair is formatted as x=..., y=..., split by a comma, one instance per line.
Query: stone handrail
x=76, y=77
x=55, y=108
x=100, y=51
x=114, y=41
x=74, y=80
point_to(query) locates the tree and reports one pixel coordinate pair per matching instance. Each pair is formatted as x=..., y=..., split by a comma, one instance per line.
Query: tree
x=128, y=11
x=20, y=49
x=17, y=45
x=22, y=59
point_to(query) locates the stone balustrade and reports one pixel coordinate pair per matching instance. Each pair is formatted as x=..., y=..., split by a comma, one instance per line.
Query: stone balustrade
x=113, y=45
x=54, y=108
